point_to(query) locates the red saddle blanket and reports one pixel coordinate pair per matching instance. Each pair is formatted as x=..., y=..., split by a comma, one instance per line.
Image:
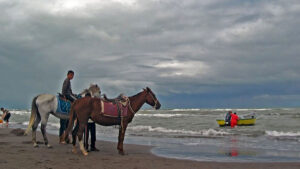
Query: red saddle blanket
x=110, y=109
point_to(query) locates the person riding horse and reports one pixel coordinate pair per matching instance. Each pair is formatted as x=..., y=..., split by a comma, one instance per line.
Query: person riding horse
x=68, y=94
x=66, y=89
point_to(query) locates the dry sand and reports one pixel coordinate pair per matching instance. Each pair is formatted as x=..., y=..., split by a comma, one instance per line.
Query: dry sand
x=17, y=152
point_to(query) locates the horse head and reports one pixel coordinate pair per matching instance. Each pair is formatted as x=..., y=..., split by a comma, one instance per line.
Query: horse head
x=94, y=90
x=151, y=98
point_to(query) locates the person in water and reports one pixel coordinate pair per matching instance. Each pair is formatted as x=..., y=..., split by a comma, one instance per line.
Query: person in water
x=234, y=119
x=228, y=118
x=5, y=116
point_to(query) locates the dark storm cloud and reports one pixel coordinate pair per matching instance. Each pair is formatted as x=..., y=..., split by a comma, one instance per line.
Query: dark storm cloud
x=175, y=47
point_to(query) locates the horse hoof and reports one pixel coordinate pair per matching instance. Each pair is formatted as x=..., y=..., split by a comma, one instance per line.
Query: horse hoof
x=74, y=151
x=85, y=153
x=49, y=146
x=62, y=142
x=122, y=153
x=35, y=145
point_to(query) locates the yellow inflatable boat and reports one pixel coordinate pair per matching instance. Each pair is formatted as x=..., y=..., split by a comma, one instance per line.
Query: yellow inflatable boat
x=245, y=120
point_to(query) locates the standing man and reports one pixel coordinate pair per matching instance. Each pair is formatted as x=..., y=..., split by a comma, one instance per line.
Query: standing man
x=67, y=92
x=234, y=120
x=90, y=128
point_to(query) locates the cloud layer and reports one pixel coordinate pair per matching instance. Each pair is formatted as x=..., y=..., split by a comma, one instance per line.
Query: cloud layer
x=223, y=49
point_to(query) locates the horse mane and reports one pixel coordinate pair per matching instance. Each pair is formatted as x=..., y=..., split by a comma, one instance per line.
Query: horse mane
x=136, y=94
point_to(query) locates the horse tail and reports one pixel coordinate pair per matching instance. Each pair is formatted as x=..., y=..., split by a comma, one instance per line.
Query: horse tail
x=71, y=121
x=34, y=111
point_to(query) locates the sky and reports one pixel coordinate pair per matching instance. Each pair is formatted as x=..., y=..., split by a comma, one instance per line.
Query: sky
x=191, y=53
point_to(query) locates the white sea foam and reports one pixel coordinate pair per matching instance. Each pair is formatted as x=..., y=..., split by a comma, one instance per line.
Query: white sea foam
x=161, y=115
x=56, y=125
x=282, y=134
x=208, y=132
x=25, y=123
x=20, y=112
x=185, y=109
x=263, y=109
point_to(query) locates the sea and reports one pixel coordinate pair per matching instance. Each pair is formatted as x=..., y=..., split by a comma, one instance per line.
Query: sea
x=194, y=134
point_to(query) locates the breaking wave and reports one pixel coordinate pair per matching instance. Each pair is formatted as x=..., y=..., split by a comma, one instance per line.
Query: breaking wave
x=162, y=115
x=208, y=132
x=282, y=134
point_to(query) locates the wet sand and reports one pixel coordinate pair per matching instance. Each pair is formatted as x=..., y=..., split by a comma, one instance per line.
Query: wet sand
x=17, y=152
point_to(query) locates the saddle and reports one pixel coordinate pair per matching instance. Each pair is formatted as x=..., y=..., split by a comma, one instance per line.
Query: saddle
x=62, y=97
x=63, y=104
x=117, y=107
x=120, y=98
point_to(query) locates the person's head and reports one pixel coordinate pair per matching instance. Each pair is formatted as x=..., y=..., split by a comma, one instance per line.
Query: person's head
x=2, y=108
x=70, y=74
x=88, y=94
x=230, y=112
x=234, y=112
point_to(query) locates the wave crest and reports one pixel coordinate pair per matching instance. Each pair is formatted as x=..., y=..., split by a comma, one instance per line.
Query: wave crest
x=282, y=134
x=208, y=132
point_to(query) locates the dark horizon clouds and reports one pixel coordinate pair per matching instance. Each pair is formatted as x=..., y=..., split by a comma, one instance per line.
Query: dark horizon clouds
x=193, y=54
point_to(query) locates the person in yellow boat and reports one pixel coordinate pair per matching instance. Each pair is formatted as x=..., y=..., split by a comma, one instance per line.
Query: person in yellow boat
x=228, y=118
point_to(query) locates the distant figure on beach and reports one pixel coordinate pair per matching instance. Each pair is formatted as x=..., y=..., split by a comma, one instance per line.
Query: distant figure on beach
x=90, y=128
x=5, y=116
x=68, y=94
x=228, y=118
x=234, y=119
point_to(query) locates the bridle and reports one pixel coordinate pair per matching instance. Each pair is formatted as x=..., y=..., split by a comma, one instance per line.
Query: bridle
x=155, y=101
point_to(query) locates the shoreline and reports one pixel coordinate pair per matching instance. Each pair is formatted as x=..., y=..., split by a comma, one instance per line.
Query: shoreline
x=18, y=152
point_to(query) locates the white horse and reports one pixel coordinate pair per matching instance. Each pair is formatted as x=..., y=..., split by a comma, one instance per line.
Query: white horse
x=45, y=104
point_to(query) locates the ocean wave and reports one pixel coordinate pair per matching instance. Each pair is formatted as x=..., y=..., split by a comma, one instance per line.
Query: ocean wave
x=20, y=112
x=55, y=125
x=282, y=134
x=25, y=123
x=185, y=110
x=263, y=109
x=208, y=132
x=162, y=115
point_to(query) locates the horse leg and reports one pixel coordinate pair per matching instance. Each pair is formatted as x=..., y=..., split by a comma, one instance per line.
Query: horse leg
x=74, y=133
x=80, y=135
x=43, y=129
x=34, y=127
x=122, y=130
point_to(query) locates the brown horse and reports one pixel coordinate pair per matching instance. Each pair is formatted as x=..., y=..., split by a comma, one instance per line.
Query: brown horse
x=88, y=107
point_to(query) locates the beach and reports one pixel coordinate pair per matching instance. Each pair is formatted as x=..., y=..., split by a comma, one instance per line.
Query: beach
x=16, y=151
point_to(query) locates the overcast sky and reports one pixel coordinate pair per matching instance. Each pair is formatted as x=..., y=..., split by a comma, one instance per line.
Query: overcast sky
x=191, y=53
